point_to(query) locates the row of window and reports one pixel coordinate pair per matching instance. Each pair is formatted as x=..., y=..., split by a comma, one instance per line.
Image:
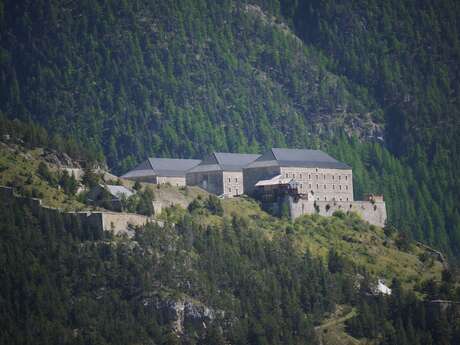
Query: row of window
x=325, y=199
x=318, y=176
x=230, y=179
x=325, y=186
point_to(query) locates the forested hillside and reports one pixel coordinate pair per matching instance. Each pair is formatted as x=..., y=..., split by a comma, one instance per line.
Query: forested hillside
x=375, y=84
x=214, y=278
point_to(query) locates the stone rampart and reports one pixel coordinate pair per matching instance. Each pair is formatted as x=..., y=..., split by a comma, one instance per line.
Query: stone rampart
x=373, y=212
x=107, y=221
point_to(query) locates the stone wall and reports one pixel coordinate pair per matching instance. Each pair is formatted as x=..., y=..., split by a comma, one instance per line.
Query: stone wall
x=172, y=180
x=323, y=184
x=106, y=221
x=253, y=175
x=233, y=183
x=326, y=184
x=122, y=222
x=211, y=181
x=374, y=213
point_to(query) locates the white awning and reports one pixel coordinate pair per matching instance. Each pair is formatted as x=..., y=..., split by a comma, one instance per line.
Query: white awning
x=274, y=181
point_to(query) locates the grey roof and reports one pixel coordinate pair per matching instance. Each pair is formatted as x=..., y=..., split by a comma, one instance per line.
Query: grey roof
x=225, y=161
x=298, y=158
x=171, y=167
x=119, y=191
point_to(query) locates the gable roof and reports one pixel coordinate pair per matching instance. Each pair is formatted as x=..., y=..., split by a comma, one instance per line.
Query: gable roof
x=225, y=161
x=170, y=167
x=297, y=158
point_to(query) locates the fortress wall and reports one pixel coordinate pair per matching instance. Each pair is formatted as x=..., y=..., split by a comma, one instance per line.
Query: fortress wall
x=373, y=213
x=122, y=222
x=106, y=221
x=174, y=181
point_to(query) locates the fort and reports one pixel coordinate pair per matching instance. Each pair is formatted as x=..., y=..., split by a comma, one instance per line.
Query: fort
x=301, y=180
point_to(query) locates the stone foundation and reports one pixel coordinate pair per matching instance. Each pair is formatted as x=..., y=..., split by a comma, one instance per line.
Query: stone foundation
x=373, y=212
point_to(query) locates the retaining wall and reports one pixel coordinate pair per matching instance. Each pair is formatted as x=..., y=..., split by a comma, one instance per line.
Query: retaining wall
x=106, y=221
x=373, y=212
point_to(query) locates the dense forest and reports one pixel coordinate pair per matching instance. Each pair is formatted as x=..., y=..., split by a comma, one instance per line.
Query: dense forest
x=375, y=84
x=67, y=284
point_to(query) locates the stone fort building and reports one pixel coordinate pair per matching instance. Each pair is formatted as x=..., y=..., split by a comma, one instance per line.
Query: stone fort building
x=162, y=170
x=309, y=181
x=306, y=181
x=221, y=173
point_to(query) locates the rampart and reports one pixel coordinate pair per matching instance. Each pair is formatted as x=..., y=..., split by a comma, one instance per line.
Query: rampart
x=373, y=212
x=107, y=221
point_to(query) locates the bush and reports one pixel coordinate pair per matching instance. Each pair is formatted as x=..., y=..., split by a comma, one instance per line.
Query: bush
x=214, y=205
x=339, y=214
x=46, y=174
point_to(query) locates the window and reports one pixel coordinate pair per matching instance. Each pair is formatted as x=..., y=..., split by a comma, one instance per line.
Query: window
x=347, y=199
x=309, y=176
x=237, y=192
x=229, y=179
x=333, y=186
x=316, y=176
x=346, y=187
x=293, y=175
x=324, y=176
x=325, y=199
x=324, y=186
x=309, y=185
x=229, y=190
x=346, y=177
x=333, y=176
x=317, y=186
x=300, y=176
x=236, y=179
x=340, y=187
x=340, y=177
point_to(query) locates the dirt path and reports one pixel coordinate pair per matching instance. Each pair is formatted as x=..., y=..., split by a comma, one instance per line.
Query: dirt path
x=334, y=322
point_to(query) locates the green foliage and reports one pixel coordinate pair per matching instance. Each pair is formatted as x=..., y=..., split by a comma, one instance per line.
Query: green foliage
x=214, y=205
x=404, y=319
x=90, y=178
x=68, y=183
x=46, y=174
x=62, y=277
x=144, y=205
x=183, y=78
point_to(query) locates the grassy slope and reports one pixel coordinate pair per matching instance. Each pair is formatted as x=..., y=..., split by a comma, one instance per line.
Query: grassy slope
x=363, y=244
x=18, y=167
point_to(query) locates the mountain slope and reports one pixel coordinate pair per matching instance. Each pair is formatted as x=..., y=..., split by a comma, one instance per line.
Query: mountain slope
x=180, y=78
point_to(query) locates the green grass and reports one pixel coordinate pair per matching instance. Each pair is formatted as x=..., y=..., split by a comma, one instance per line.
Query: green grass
x=18, y=168
x=363, y=244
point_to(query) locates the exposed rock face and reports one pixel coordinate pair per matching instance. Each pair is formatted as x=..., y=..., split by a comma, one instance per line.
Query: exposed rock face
x=59, y=159
x=184, y=313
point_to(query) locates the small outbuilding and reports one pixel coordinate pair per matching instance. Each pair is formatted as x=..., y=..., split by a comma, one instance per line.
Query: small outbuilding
x=109, y=196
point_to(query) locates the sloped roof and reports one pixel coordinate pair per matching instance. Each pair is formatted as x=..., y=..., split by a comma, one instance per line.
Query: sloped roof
x=225, y=161
x=171, y=167
x=297, y=158
x=119, y=191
